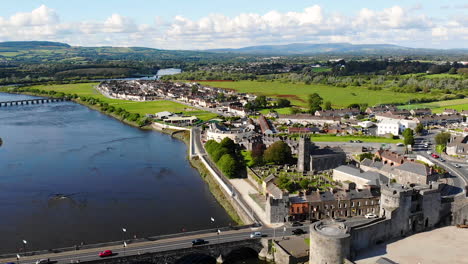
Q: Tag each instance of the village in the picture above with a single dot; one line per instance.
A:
(313, 180)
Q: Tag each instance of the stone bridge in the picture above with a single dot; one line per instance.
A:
(204, 254)
(32, 101)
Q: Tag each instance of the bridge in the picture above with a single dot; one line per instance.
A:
(226, 246)
(32, 101)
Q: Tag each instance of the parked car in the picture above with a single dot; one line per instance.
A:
(400, 145)
(429, 152)
(256, 235)
(435, 156)
(296, 224)
(370, 216)
(42, 261)
(105, 253)
(298, 231)
(199, 241)
(441, 159)
(456, 165)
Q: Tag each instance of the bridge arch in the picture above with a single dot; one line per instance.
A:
(240, 254)
(196, 258)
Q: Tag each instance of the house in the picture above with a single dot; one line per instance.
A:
(439, 119)
(308, 119)
(390, 157)
(181, 119)
(366, 124)
(339, 112)
(388, 126)
(163, 115)
(421, 112)
(218, 132)
(458, 145)
(412, 172)
(362, 179)
(448, 111)
(265, 126)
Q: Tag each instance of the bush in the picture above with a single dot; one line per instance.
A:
(278, 153)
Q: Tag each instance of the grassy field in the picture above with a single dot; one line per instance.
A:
(297, 93)
(438, 107)
(87, 89)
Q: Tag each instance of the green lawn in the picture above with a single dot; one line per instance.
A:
(332, 138)
(150, 107)
(297, 93)
(281, 111)
(438, 107)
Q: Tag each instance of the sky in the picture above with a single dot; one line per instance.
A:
(206, 24)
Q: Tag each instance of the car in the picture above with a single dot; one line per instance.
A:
(256, 235)
(400, 145)
(296, 224)
(441, 159)
(456, 165)
(358, 141)
(42, 261)
(199, 241)
(429, 152)
(298, 231)
(105, 253)
(435, 156)
(370, 216)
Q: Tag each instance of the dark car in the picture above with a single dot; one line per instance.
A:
(296, 224)
(298, 231)
(199, 241)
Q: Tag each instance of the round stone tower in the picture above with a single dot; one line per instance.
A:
(330, 242)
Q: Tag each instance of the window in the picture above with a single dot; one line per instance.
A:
(345, 205)
(326, 207)
(358, 203)
(372, 202)
(365, 202)
(352, 204)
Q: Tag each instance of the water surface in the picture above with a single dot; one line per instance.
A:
(114, 175)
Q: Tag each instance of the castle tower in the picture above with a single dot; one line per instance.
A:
(329, 243)
(303, 154)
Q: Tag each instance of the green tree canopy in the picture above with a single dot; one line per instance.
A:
(283, 102)
(419, 128)
(442, 138)
(408, 137)
(314, 101)
(228, 165)
(327, 106)
(278, 153)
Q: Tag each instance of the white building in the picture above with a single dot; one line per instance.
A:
(388, 126)
(217, 132)
(362, 179)
(365, 124)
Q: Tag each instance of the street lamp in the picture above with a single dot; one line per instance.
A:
(124, 230)
(24, 245)
(217, 228)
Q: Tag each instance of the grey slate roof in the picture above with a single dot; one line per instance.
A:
(374, 177)
(414, 167)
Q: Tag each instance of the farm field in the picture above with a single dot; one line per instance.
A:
(297, 93)
(87, 89)
(438, 107)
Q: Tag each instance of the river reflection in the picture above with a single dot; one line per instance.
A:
(70, 175)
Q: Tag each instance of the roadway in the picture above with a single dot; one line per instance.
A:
(458, 177)
(154, 246)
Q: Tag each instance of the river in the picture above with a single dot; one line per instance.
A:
(114, 176)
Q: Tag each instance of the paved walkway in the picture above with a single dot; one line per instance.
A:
(245, 189)
(442, 245)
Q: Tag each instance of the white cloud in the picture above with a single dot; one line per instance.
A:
(395, 24)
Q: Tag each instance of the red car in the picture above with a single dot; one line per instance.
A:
(435, 156)
(105, 253)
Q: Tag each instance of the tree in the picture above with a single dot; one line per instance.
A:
(452, 71)
(228, 144)
(304, 183)
(314, 101)
(278, 153)
(354, 106)
(284, 183)
(442, 138)
(261, 101)
(217, 153)
(408, 137)
(327, 106)
(228, 165)
(419, 128)
(283, 103)
(257, 154)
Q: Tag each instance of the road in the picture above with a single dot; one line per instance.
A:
(154, 246)
(458, 178)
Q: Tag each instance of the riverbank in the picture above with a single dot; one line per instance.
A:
(184, 136)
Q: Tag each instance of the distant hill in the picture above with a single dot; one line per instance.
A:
(33, 44)
(336, 49)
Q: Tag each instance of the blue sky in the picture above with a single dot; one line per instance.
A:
(184, 24)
